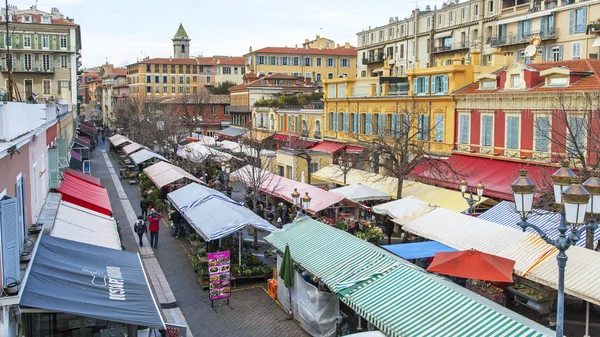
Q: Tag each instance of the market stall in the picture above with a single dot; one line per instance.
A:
(359, 192)
(198, 152)
(146, 157)
(85, 194)
(86, 288)
(133, 147)
(163, 174)
(118, 140)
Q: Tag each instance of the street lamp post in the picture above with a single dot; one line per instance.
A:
(302, 203)
(225, 169)
(470, 200)
(575, 202)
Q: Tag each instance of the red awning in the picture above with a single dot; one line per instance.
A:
(86, 140)
(300, 144)
(284, 138)
(354, 149)
(496, 175)
(192, 140)
(329, 147)
(84, 194)
(88, 128)
(82, 176)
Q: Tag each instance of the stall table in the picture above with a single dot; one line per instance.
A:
(497, 295)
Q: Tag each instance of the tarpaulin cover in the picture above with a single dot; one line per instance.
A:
(133, 147)
(418, 250)
(283, 188)
(85, 140)
(400, 208)
(213, 214)
(90, 281)
(231, 132)
(82, 176)
(315, 310)
(163, 173)
(85, 194)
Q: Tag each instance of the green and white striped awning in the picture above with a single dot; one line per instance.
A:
(352, 262)
(398, 298)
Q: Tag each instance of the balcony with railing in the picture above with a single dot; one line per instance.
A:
(512, 39)
(399, 89)
(451, 47)
(315, 105)
(375, 59)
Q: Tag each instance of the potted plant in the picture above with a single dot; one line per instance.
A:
(193, 237)
(25, 257)
(12, 288)
(201, 252)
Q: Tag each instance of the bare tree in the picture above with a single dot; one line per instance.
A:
(137, 119)
(400, 144)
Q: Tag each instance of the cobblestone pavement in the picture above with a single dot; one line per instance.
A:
(254, 313)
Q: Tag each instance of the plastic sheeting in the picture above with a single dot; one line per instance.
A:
(315, 310)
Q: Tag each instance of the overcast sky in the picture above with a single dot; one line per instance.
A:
(123, 31)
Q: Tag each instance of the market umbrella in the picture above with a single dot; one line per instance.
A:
(473, 264)
(286, 272)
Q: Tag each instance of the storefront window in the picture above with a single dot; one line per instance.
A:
(67, 325)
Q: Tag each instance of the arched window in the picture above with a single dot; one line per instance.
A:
(318, 129)
(318, 77)
(183, 48)
(304, 128)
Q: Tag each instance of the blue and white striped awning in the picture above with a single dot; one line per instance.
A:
(397, 297)
(505, 214)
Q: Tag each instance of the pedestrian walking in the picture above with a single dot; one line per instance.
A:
(140, 228)
(229, 190)
(144, 205)
(176, 220)
(154, 220)
(217, 185)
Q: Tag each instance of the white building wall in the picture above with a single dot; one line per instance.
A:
(37, 178)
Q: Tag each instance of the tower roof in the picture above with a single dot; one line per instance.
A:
(181, 31)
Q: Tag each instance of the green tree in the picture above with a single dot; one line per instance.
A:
(222, 88)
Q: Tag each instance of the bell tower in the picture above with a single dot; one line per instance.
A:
(181, 44)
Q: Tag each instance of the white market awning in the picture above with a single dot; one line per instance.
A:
(144, 155)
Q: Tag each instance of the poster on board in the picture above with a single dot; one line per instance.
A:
(219, 275)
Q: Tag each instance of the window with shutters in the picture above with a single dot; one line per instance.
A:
(576, 134)
(28, 61)
(63, 42)
(45, 42)
(273, 60)
(487, 130)
(440, 85)
(381, 124)
(368, 124)
(9, 227)
(576, 50)
(439, 128)
(27, 41)
(512, 132)
(342, 87)
(332, 91)
(542, 134)
(463, 128)
(46, 62)
(421, 87)
(64, 61)
(46, 87)
(423, 127)
(577, 20)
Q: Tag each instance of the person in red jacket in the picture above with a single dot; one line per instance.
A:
(154, 219)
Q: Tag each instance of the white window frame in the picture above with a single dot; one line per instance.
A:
(31, 58)
(576, 45)
(45, 42)
(518, 148)
(26, 38)
(49, 87)
(64, 58)
(481, 132)
(61, 42)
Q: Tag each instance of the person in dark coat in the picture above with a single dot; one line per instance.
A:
(140, 228)
(176, 218)
(144, 205)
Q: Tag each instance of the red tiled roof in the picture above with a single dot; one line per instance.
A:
(590, 82)
(63, 22)
(211, 99)
(236, 60)
(120, 71)
(261, 82)
(339, 51)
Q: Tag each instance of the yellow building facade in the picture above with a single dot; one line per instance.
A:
(315, 63)
(358, 109)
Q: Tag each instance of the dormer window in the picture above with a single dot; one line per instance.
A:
(556, 77)
(46, 19)
(26, 18)
(486, 81)
(515, 81)
(557, 81)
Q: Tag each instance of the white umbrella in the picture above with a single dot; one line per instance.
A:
(359, 192)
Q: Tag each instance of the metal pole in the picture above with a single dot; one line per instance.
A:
(587, 319)
(562, 246)
(240, 249)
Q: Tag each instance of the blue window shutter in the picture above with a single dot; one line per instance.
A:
(543, 26)
(10, 240)
(560, 53)
(519, 29)
(439, 128)
(542, 130)
(415, 85)
(433, 82)
(426, 85)
(53, 175)
(571, 21)
(392, 125)
(383, 124)
(425, 127)
(582, 20)
(445, 84)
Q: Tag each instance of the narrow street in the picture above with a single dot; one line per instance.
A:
(252, 312)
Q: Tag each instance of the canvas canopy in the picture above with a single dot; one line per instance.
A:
(82, 176)
(80, 224)
(418, 250)
(198, 152)
(90, 281)
(231, 132)
(213, 214)
(128, 149)
(85, 194)
(145, 155)
(163, 173)
(360, 192)
(120, 140)
(400, 208)
(282, 187)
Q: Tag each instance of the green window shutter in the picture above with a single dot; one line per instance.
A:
(21, 61)
(433, 82)
(69, 42)
(295, 123)
(426, 85)
(51, 61)
(19, 42)
(445, 79)
(61, 144)
(39, 41)
(53, 176)
(9, 222)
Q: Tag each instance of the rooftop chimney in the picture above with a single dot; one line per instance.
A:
(347, 45)
(250, 49)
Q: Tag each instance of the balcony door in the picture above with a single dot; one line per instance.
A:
(28, 88)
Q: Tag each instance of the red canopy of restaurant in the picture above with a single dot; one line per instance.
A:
(85, 194)
(85, 140)
(354, 149)
(329, 147)
(284, 138)
(82, 176)
(495, 174)
(473, 264)
(87, 127)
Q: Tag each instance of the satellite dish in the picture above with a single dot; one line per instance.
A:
(530, 51)
(536, 41)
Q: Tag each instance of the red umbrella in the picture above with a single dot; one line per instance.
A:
(473, 264)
